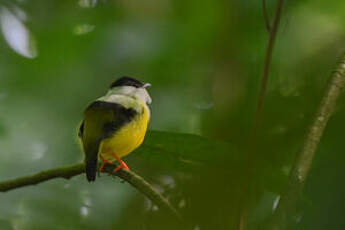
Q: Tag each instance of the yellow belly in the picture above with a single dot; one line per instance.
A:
(126, 139)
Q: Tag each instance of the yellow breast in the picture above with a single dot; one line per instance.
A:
(127, 138)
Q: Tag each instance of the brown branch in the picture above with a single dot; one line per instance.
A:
(301, 166)
(257, 119)
(266, 19)
(267, 62)
(67, 172)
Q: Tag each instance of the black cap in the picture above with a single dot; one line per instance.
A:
(127, 81)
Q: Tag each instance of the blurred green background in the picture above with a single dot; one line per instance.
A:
(204, 61)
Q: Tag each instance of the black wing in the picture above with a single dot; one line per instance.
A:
(102, 119)
(81, 130)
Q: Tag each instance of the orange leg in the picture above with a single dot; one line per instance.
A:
(122, 163)
(104, 162)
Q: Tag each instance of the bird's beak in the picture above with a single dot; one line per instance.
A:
(146, 85)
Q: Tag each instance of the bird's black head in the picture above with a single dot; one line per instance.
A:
(127, 81)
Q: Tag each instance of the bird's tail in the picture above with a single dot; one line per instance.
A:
(91, 168)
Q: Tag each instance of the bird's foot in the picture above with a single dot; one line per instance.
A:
(121, 166)
(104, 163)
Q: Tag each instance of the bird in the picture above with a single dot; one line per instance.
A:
(114, 125)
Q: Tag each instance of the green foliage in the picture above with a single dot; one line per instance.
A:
(204, 60)
(187, 151)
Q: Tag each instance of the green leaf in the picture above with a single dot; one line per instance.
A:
(6, 224)
(187, 151)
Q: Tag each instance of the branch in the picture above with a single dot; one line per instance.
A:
(257, 119)
(301, 166)
(264, 12)
(67, 172)
(267, 62)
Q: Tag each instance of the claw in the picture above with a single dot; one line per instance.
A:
(122, 164)
(104, 163)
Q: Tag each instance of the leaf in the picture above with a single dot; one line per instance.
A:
(16, 34)
(6, 224)
(187, 151)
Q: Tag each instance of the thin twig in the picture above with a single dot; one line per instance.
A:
(266, 19)
(301, 166)
(67, 172)
(257, 120)
(267, 62)
(64, 172)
